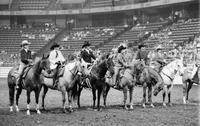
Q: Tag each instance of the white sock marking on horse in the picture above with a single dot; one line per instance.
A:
(38, 109)
(28, 109)
(184, 100)
(11, 108)
(17, 108)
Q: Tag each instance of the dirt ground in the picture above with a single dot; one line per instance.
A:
(113, 115)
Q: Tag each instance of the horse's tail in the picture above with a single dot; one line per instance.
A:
(11, 85)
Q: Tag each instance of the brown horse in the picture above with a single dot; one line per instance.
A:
(67, 83)
(149, 78)
(188, 82)
(31, 82)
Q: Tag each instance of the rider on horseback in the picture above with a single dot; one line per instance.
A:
(120, 63)
(159, 58)
(26, 59)
(87, 57)
(142, 54)
(56, 59)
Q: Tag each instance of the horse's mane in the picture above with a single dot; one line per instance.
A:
(99, 69)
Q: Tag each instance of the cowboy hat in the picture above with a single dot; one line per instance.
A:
(54, 46)
(159, 47)
(121, 48)
(86, 43)
(141, 45)
(25, 42)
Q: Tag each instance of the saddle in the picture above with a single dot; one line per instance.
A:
(25, 71)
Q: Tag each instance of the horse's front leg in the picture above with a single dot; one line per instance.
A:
(105, 93)
(150, 96)
(188, 90)
(125, 89)
(69, 93)
(164, 94)
(99, 97)
(131, 97)
(169, 94)
(43, 96)
(144, 95)
(79, 95)
(63, 90)
(19, 91)
(184, 91)
(28, 93)
(37, 94)
(11, 97)
(94, 96)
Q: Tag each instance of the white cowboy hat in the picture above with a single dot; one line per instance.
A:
(25, 42)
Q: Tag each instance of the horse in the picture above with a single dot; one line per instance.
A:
(96, 80)
(188, 81)
(67, 83)
(149, 78)
(30, 82)
(168, 74)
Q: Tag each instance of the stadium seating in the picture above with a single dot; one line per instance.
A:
(101, 3)
(10, 40)
(96, 36)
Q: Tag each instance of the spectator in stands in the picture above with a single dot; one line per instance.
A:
(26, 59)
(56, 59)
(142, 54)
(87, 57)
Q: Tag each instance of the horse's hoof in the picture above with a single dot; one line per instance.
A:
(125, 107)
(143, 105)
(131, 107)
(71, 110)
(95, 110)
(38, 112)
(28, 112)
(164, 105)
(152, 105)
(43, 109)
(17, 109)
(64, 111)
(11, 109)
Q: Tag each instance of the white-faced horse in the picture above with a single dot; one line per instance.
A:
(168, 74)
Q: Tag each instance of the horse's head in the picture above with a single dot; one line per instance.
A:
(179, 67)
(110, 65)
(139, 67)
(158, 88)
(45, 63)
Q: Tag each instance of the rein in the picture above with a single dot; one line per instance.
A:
(168, 76)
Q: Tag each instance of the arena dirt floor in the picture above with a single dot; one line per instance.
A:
(113, 115)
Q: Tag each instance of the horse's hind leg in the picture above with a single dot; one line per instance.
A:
(37, 94)
(43, 96)
(28, 93)
(19, 91)
(11, 97)
(150, 96)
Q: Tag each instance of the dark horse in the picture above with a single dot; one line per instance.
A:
(96, 80)
(31, 82)
(188, 82)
